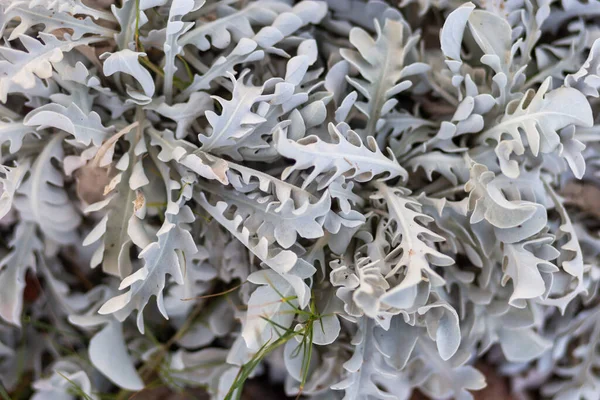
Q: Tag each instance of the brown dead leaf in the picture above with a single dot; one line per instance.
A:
(584, 195)
(111, 185)
(139, 201)
(91, 182)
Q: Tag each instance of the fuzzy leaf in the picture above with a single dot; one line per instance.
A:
(175, 28)
(417, 256)
(347, 156)
(85, 128)
(13, 176)
(127, 61)
(524, 267)
(13, 268)
(234, 21)
(538, 115)
(72, 7)
(165, 256)
(41, 198)
(123, 208)
(237, 119)
(381, 63)
(20, 70)
(53, 17)
(184, 114)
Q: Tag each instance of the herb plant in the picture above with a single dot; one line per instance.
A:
(356, 199)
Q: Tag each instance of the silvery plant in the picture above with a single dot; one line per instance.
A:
(350, 199)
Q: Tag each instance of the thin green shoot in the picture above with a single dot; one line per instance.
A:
(188, 70)
(304, 348)
(76, 389)
(207, 296)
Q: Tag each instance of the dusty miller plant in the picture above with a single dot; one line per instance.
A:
(359, 199)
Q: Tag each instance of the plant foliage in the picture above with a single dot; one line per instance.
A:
(370, 198)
